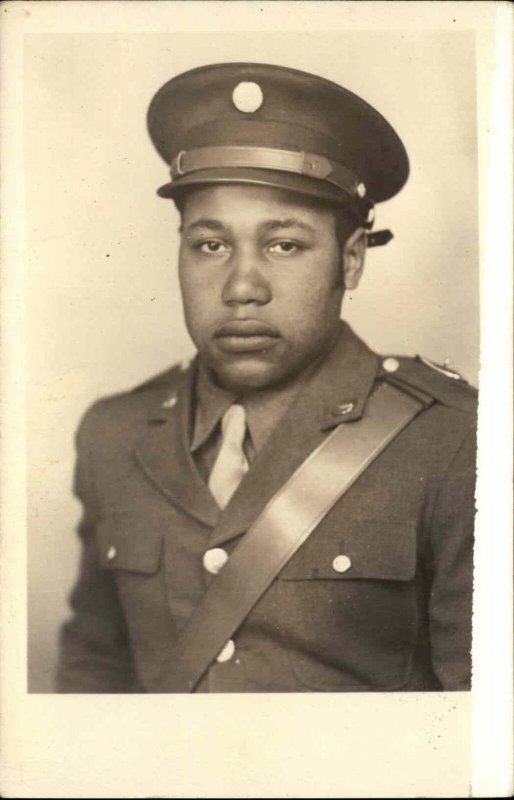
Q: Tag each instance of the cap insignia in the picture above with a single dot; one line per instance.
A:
(247, 97)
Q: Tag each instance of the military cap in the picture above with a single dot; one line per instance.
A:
(274, 126)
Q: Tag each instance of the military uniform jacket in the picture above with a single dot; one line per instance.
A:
(398, 619)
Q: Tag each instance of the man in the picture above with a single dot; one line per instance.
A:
(290, 512)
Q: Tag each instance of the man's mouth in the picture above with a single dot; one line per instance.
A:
(245, 336)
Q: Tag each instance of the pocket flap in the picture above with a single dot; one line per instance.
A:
(130, 544)
(367, 550)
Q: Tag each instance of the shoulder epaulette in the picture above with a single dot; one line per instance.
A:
(419, 375)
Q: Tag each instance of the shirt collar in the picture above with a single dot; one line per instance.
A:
(211, 403)
(263, 409)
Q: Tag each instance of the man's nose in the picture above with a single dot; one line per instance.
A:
(246, 283)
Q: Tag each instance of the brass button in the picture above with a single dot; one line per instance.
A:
(111, 553)
(214, 560)
(247, 97)
(341, 563)
(391, 364)
(227, 652)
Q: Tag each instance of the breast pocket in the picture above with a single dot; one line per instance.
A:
(350, 610)
(131, 548)
(131, 544)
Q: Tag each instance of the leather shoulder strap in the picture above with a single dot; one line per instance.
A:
(284, 525)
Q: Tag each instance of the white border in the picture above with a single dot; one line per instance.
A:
(493, 618)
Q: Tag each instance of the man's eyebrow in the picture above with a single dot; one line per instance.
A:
(290, 222)
(273, 224)
(209, 224)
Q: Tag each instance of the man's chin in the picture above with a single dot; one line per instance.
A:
(246, 375)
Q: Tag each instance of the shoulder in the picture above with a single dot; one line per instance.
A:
(125, 409)
(163, 382)
(444, 434)
(433, 382)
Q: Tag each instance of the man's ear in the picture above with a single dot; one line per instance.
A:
(353, 256)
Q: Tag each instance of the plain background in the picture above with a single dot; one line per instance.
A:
(104, 311)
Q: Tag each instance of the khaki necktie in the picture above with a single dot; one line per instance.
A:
(231, 463)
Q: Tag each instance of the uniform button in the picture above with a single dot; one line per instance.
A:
(214, 560)
(111, 553)
(391, 364)
(341, 563)
(227, 652)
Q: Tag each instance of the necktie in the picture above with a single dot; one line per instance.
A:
(231, 463)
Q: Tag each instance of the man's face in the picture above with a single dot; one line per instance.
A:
(260, 273)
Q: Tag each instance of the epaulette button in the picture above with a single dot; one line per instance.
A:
(391, 364)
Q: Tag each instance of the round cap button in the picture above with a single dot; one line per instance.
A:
(214, 560)
(341, 563)
(111, 553)
(391, 364)
(227, 652)
(247, 97)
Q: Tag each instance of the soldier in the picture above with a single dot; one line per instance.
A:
(290, 512)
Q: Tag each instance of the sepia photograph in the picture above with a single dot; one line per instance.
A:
(254, 359)
(287, 505)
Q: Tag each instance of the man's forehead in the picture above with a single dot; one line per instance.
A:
(214, 205)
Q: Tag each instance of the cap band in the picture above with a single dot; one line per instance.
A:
(313, 166)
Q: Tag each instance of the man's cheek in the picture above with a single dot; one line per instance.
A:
(309, 307)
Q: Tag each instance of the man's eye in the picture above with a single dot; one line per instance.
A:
(212, 247)
(285, 248)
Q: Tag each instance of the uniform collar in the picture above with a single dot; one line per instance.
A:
(344, 380)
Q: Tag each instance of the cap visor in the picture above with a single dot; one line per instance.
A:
(289, 181)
